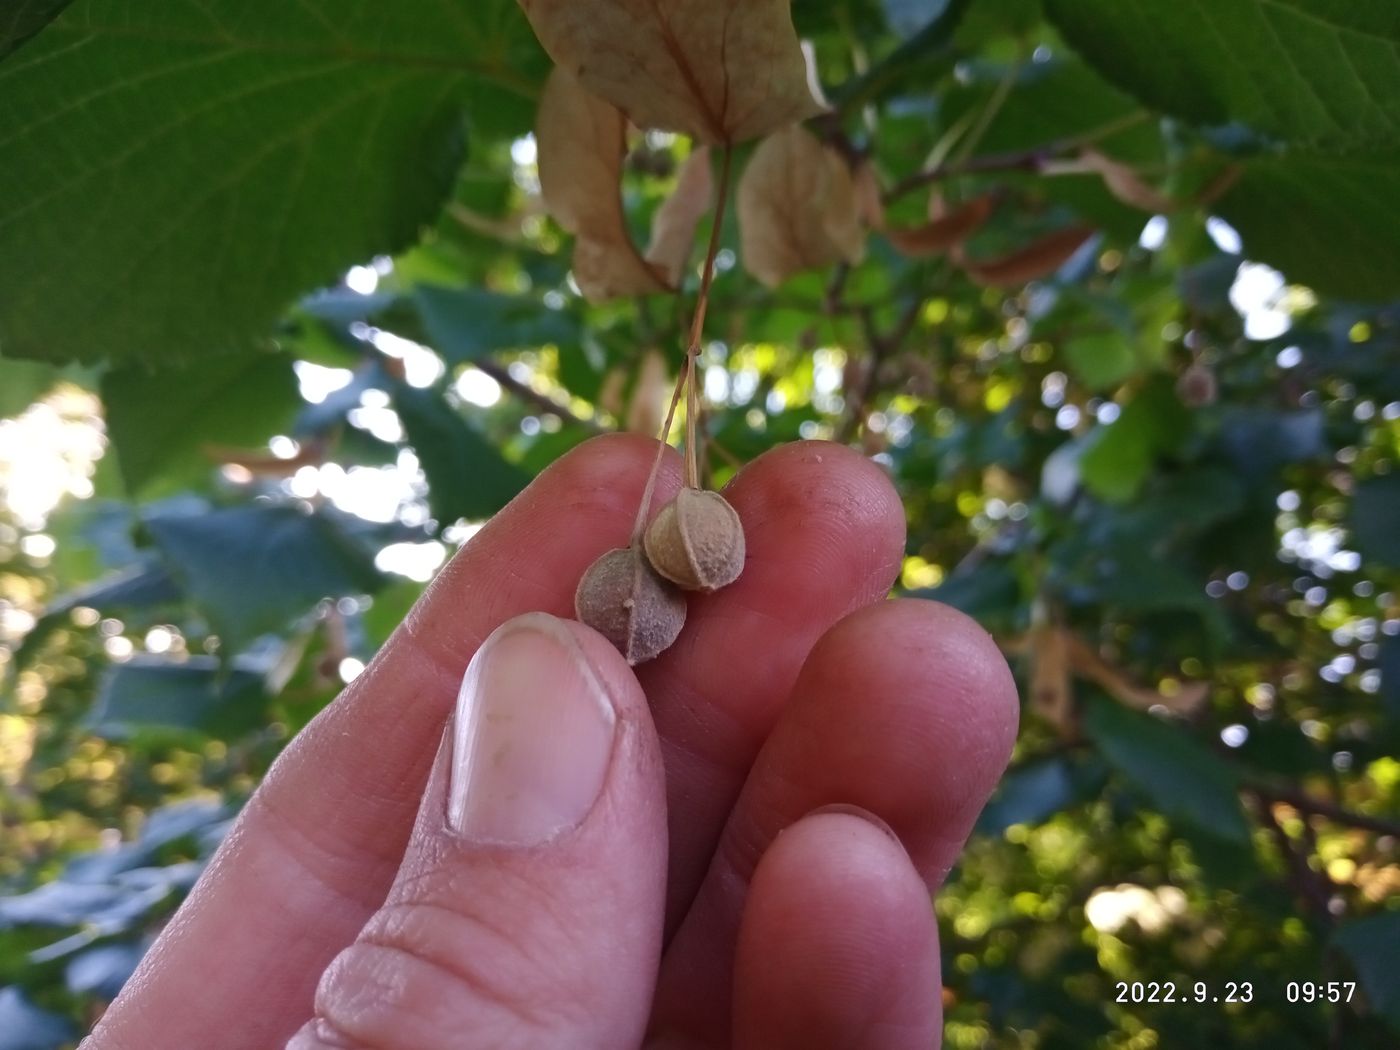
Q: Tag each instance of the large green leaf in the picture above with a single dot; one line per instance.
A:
(159, 694)
(162, 420)
(1120, 455)
(1370, 945)
(466, 323)
(1315, 71)
(1034, 793)
(1328, 221)
(21, 19)
(252, 569)
(22, 383)
(1178, 775)
(176, 173)
(1375, 520)
(467, 476)
(1062, 99)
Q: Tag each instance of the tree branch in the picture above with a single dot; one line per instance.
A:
(530, 395)
(1305, 803)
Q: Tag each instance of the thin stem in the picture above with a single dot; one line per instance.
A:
(989, 112)
(1305, 803)
(686, 379)
(693, 429)
(528, 394)
(1018, 160)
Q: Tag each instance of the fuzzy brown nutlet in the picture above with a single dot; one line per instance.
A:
(621, 598)
(697, 541)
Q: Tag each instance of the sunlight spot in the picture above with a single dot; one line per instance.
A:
(476, 387)
(1224, 235)
(417, 561)
(318, 382)
(523, 151)
(362, 279)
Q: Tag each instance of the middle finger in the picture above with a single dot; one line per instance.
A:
(824, 531)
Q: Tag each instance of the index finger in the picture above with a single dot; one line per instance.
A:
(315, 850)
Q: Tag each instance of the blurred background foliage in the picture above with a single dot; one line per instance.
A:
(1162, 472)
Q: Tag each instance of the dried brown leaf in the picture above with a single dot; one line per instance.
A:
(581, 142)
(721, 71)
(841, 213)
(797, 208)
(1126, 184)
(1037, 259)
(944, 231)
(1087, 663)
(650, 394)
(610, 392)
(674, 224)
(1052, 692)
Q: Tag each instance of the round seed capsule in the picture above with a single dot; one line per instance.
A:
(697, 541)
(622, 599)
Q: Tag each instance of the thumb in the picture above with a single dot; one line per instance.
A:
(528, 908)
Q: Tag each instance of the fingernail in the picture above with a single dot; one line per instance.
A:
(856, 811)
(532, 739)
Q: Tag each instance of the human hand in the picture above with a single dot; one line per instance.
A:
(629, 857)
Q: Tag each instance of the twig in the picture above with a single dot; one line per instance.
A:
(1305, 803)
(881, 347)
(543, 402)
(1030, 160)
(697, 324)
(1309, 885)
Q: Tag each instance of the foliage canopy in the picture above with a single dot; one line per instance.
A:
(1110, 287)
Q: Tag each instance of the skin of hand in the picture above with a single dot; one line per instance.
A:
(499, 835)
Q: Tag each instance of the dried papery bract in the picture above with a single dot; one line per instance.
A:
(798, 208)
(697, 541)
(945, 230)
(1121, 180)
(721, 71)
(625, 601)
(674, 225)
(1040, 258)
(581, 141)
(650, 389)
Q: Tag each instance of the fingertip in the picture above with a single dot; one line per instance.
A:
(838, 946)
(803, 479)
(926, 643)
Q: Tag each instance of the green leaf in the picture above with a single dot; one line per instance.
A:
(1120, 455)
(1375, 520)
(389, 608)
(467, 476)
(1326, 221)
(1034, 793)
(466, 323)
(1261, 440)
(1181, 778)
(160, 694)
(1063, 99)
(176, 174)
(161, 420)
(24, 18)
(1370, 945)
(926, 54)
(1100, 360)
(1313, 71)
(22, 383)
(251, 570)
